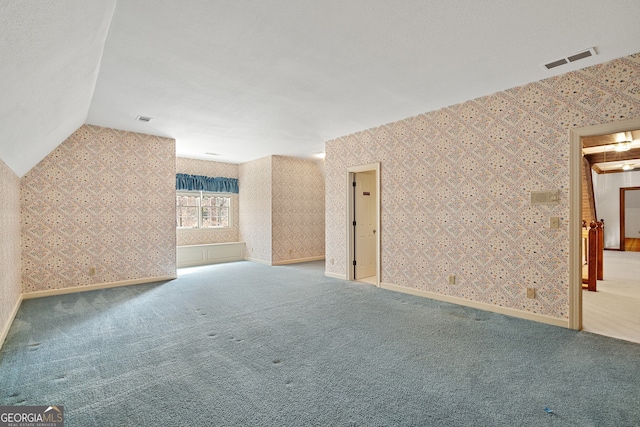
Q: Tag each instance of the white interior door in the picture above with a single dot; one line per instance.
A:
(365, 228)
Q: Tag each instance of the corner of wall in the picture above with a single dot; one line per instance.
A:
(255, 181)
(100, 208)
(298, 217)
(10, 254)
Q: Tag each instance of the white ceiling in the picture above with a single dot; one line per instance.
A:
(247, 79)
(50, 54)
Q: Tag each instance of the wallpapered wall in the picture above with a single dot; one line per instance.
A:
(297, 209)
(10, 272)
(103, 198)
(202, 236)
(254, 181)
(281, 209)
(455, 188)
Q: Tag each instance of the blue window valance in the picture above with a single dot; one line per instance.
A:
(206, 183)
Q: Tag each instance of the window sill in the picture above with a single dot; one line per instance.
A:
(189, 229)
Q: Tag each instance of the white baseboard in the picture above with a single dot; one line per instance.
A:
(335, 276)
(63, 291)
(480, 305)
(5, 328)
(298, 260)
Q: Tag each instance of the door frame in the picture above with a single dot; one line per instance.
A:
(351, 171)
(575, 209)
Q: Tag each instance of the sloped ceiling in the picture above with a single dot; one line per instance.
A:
(248, 79)
(50, 53)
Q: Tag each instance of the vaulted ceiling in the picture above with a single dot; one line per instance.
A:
(247, 79)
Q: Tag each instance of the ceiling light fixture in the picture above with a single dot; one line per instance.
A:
(624, 145)
(628, 167)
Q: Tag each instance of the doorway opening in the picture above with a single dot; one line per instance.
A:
(363, 223)
(601, 307)
(630, 219)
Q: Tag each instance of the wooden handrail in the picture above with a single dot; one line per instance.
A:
(592, 263)
(600, 255)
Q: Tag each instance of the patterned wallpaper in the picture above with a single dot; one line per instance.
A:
(10, 287)
(103, 198)
(297, 209)
(456, 182)
(206, 167)
(255, 208)
(202, 236)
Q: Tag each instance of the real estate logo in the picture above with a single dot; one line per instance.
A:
(31, 416)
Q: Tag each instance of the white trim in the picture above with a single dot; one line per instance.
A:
(575, 209)
(63, 291)
(575, 226)
(211, 244)
(351, 170)
(7, 326)
(192, 229)
(480, 305)
(335, 276)
(209, 253)
(298, 260)
(201, 194)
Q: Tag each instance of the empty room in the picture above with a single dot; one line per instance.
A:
(296, 213)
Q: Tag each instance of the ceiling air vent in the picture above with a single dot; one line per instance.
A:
(555, 64)
(145, 119)
(573, 58)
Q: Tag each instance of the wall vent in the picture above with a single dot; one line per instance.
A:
(573, 58)
(145, 119)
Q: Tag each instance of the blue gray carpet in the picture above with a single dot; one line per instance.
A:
(243, 344)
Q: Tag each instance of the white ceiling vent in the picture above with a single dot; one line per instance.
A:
(573, 58)
(145, 119)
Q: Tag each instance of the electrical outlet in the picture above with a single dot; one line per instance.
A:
(554, 222)
(531, 293)
(92, 271)
(452, 279)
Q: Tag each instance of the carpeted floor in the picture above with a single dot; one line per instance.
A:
(243, 344)
(614, 310)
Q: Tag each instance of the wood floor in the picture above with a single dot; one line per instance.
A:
(632, 245)
(614, 310)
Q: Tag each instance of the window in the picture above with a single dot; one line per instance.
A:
(195, 209)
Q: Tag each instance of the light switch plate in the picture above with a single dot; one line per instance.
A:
(545, 197)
